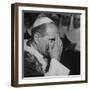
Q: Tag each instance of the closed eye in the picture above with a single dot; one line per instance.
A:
(53, 39)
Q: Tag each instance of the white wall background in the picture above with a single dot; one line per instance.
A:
(5, 45)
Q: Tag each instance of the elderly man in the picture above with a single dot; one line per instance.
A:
(43, 51)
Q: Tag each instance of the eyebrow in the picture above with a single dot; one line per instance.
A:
(53, 39)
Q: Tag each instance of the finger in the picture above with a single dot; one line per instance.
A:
(50, 46)
(61, 45)
(56, 40)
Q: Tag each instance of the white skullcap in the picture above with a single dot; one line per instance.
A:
(41, 20)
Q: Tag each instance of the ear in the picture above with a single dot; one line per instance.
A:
(36, 37)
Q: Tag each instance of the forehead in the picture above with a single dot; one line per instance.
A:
(51, 29)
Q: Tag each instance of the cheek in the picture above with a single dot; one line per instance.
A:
(45, 42)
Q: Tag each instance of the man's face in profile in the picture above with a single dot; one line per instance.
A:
(48, 39)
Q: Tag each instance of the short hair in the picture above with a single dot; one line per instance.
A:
(41, 29)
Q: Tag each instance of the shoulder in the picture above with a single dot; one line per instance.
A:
(32, 67)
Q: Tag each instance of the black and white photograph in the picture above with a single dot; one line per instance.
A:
(51, 44)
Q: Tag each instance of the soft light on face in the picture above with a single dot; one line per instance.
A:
(51, 33)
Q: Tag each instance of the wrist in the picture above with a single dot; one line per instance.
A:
(56, 58)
